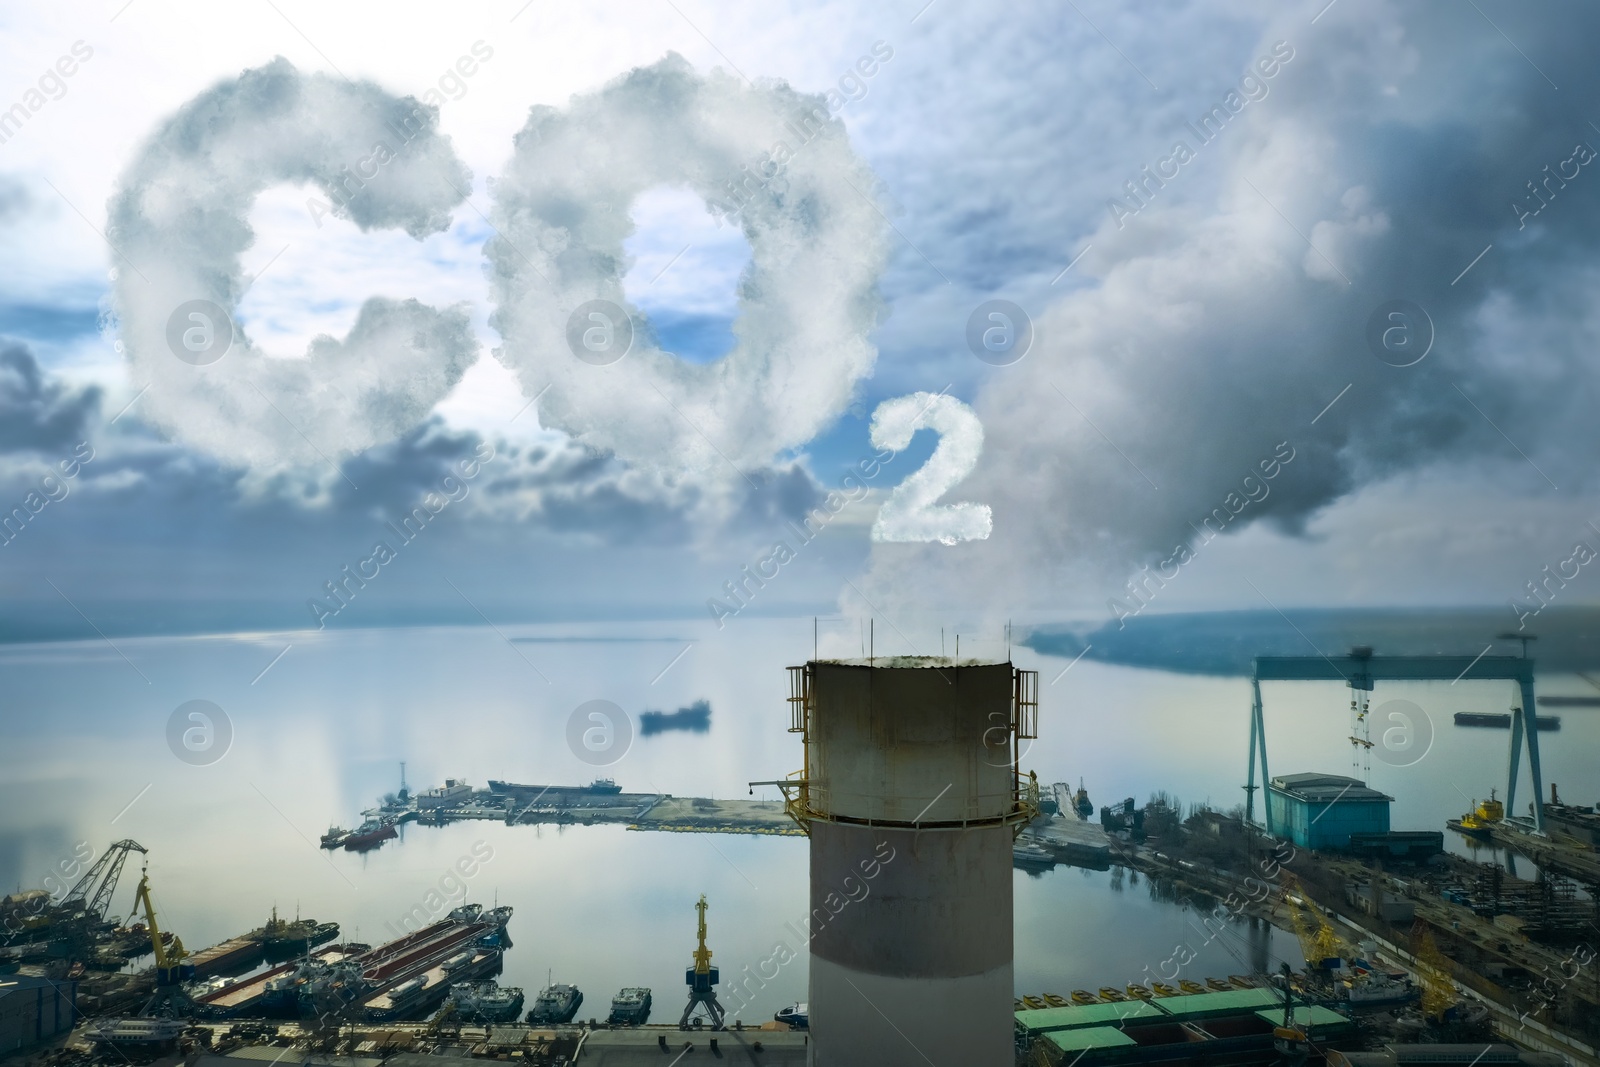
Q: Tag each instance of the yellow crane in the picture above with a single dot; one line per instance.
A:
(702, 979)
(171, 971)
(1318, 940)
(1438, 991)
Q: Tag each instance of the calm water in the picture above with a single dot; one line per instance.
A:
(320, 735)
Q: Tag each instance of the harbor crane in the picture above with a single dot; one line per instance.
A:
(1360, 669)
(702, 979)
(171, 971)
(91, 895)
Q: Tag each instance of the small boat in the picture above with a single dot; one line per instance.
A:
(556, 1003)
(630, 1007)
(1189, 986)
(1083, 996)
(1163, 989)
(1031, 856)
(1218, 985)
(1241, 982)
(1112, 995)
(797, 1016)
(1033, 1003)
(1139, 991)
(1055, 1000)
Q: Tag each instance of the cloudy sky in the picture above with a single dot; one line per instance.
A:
(1317, 273)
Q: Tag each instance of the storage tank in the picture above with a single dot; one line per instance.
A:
(911, 798)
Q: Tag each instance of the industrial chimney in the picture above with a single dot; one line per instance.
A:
(911, 797)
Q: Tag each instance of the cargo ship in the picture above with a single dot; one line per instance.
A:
(356, 979)
(557, 1003)
(1503, 721)
(598, 787)
(273, 993)
(371, 834)
(230, 957)
(630, 1007)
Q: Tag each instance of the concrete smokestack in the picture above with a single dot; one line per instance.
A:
(911, 798)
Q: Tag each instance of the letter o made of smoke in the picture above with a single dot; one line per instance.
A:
(180, 220)
(807, 301)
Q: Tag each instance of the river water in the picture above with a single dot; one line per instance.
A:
(319, 732)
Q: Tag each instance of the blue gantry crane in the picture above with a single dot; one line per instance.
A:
(1360, 669)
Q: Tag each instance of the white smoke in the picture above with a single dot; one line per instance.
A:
(766, 158)
(180, 223)
(910, 513)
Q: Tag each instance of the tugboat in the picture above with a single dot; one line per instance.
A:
(556, 1003)
(283, 940)
(797, 1016)
(336, 836)
(630, 1007)
(1478, 821)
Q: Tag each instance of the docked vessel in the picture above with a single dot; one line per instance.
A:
(135, 1032)
(1473, 718)
(283, 940)
(336, 836)
(1081, 802)
(630, 1007)
(1478, 821)
(556, 1003)
(795, 1015)
(1377, 989)
(371, 834)
(485, 1002)
(1031, 856)
(598, 787)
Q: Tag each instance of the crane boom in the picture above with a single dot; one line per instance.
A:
(169, 961)
(92, 893)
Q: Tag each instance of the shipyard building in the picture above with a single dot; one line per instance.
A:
(1321, 811)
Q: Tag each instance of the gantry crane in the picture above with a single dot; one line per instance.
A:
(1359, 669)
(701, 980)
(91, 895)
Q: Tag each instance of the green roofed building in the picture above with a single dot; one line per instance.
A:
(1212, 1028)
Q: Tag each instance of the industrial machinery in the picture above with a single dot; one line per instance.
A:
(91, 895)
(1360, 669)
(171, 970)
(1322, 945)
(702, 979)
(1438, 991)
(1290, 1040)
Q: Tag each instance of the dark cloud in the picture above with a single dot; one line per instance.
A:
(35, 414)
(1387, 157)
